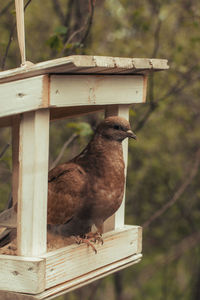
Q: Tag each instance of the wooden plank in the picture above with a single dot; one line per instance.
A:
(19, 7)
(60, 113)
(84, 64)
(117, 220)
(22, 274)
(79, 282)
(88, 278)
(142, 64)
(33, 181)
(23, 95)
(95, 90)
(159, 64)
(77, 260)
(64, 112)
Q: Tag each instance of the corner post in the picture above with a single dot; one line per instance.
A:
(33, 138)
(117, 220)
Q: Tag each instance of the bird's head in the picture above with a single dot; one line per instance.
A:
(115, 128)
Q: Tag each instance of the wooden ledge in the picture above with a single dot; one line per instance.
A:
(71, 267)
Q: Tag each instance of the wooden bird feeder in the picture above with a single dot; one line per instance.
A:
(30, 97)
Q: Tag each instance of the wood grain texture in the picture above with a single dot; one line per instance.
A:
(22, 95)
(19, 6)
(86, 65)
(79, 282)
(77, 260)
(95, 90)
(26, 275)
(68, 268)
(88, 278)
(33, 180)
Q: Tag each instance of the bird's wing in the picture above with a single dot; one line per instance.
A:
(66, 190)
(6, 236)
(8, 218)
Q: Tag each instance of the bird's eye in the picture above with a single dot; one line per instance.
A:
(117, 127)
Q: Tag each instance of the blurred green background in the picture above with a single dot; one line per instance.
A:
(163, 191)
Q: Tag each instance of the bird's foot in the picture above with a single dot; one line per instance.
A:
(95, 237)
(80, 240)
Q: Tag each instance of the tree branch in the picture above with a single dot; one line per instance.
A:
(4, 10)
(175, 252)
(27, 4)
(90, 20)
(93, 289)
(188, 179)
(4, 150)
(8, 47)
(174, 90)
(118, 286)
(156, 39)
(69, 13)
(86, 29)
(58, 10)
(66, 144)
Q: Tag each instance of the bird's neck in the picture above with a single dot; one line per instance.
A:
(103, 145)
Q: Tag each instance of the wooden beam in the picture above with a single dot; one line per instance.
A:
(88, 278)
(73, 111)
(117, 220)
(23, 95)
(22, 274)
(96, 90)
(79, 282)
(33, 183)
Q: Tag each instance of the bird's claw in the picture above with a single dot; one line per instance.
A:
(79, 240)
(98, 238)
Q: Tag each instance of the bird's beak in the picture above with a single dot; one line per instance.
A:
(131, 134)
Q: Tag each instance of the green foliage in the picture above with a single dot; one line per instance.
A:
(55, 41)
(81, 128)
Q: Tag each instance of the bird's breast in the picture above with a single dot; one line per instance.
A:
(108, 187)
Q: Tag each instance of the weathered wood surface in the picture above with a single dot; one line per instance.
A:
(19, 6)
(86, 65)
(22, 274)
(70, 267)
(74, 284)
(74, 261)
(23, 95)
(68, 95)
(79, 90)
(33, 180)
(88, 278)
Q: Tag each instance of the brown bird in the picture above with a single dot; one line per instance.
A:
(89, 189)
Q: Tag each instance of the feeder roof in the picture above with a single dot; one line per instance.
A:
(83, 64)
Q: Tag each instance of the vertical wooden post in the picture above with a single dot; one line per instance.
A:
(117, 220)
(15, 158)
(19, 6)
(33, 137)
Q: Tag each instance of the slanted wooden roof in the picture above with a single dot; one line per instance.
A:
(83, 64)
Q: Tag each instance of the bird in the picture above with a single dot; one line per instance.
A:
(88, 189)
